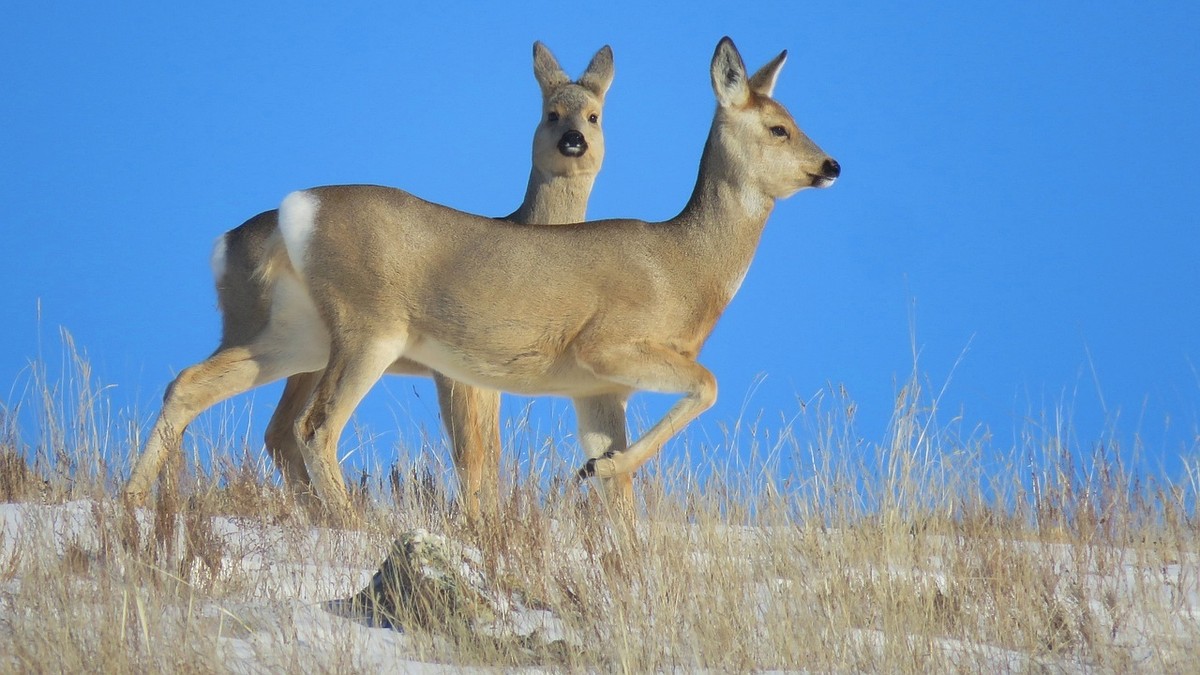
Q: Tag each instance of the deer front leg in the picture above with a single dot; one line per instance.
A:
(472, 419)
(602, 433)
(649, 367)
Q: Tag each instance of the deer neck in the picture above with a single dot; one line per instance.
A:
(724, 219)
(554, 199)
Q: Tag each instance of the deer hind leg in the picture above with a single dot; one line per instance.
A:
(228, 372)
(349, 375)
(602, 432)
(649, 367)
(280, 438)
(472, 419)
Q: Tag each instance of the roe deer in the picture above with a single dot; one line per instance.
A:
(568, 150)
(593, 311)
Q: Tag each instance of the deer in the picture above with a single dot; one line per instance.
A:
(593, 311)
(568, 151)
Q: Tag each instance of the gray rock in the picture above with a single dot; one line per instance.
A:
(439, 585)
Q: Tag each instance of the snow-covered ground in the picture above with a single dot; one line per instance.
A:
(279, 622)
(271, 602)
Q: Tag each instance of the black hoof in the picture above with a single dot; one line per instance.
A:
(587, 471)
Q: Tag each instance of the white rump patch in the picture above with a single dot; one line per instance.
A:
(297, 219)
(218, 258)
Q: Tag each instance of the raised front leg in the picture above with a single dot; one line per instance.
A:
(472, 419)
(649, 367)
(602, 433)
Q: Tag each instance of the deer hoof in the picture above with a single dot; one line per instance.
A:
(603, 466)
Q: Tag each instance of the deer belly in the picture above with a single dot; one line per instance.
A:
(527, 370)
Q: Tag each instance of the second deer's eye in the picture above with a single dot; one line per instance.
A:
(552, 117)
(780, 131)
(593, 118)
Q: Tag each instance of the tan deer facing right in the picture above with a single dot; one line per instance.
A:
(594, 311)
(568, 150)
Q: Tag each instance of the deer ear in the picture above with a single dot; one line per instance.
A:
(599, 74)
(549, 74)
(763, 82)
(729, 75)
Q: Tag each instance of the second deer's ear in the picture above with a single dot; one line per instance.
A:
(549, 74)
(729, 75)
(599, 74)
(763, 82)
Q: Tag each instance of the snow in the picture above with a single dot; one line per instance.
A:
(291, 616)
(281, 601)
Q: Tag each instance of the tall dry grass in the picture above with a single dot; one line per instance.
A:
(927, 549)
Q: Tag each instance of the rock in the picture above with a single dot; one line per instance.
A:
(426, 580)
(440, 585)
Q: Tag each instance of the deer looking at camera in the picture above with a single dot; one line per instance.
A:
(256, 293)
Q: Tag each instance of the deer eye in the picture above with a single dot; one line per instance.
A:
(552, 117)
(593, 118)
(780, 132)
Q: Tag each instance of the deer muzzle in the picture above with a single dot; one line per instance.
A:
(830, 170)
(572, 144)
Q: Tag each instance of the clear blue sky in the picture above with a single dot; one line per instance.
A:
(1019, 185)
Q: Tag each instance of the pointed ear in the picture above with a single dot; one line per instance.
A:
(763, 82)
(729, 75)
(599, 74)
(549, 74)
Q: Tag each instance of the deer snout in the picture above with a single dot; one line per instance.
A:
(830, 170)
(572, 144)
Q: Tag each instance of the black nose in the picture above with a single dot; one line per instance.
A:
(831, 169)
(572, 144)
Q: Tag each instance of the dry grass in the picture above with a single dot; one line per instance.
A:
(919, 552)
